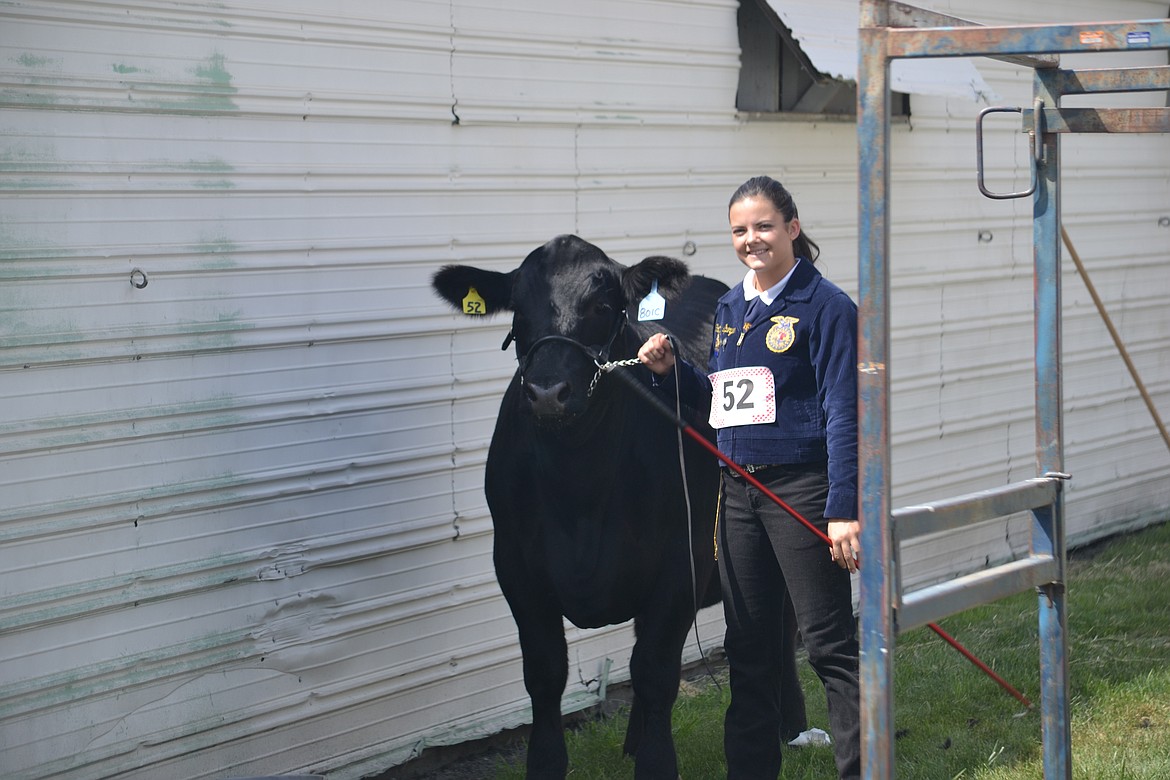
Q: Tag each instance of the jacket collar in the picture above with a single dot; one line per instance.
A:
(800, 288)
(803, 283)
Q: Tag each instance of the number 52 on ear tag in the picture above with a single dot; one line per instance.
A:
(653, 306)
(473, 303)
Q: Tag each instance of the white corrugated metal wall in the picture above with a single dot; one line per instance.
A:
(244, 530)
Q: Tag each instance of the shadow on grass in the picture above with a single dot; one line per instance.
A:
(956, 722)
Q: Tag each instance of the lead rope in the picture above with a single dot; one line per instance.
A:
(605, 368)
(682, 470)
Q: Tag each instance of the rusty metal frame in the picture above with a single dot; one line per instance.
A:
(891, 30)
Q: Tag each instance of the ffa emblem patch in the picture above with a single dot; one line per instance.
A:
(781, 335)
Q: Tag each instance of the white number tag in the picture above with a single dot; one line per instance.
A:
(653, 306)
(742, 396)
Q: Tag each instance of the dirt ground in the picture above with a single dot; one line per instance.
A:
(478, 760)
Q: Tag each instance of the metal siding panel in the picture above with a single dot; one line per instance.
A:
(606, 62)
(162, 57)
(206, 504)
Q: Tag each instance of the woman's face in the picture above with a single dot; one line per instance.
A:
(763, 239)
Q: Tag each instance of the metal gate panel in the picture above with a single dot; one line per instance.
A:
(892, 31)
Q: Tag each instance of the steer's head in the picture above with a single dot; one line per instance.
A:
(568, 302)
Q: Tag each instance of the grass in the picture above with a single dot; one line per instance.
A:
(954, 722)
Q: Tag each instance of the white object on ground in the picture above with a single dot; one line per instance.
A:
(811, 738)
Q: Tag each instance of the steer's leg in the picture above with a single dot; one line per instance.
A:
(546, 664)
(546, 669)
(655, 666)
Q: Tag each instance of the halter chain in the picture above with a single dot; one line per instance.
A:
(605, 368)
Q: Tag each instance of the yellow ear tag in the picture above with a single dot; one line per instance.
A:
(473, 304)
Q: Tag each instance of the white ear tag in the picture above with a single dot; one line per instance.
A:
(653, 306)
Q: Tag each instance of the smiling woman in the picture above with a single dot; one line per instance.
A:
(785, 405)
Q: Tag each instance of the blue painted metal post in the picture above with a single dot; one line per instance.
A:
(877, 576)
(1048, 524)
(1034, 46)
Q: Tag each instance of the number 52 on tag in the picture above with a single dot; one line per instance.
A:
(743, 396)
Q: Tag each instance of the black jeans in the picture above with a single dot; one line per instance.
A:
(764, 553)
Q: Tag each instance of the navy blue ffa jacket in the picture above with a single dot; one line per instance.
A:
(808, 339)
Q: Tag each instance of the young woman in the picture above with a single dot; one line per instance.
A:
(783, 380)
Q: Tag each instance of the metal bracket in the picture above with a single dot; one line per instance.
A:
(1033, 137)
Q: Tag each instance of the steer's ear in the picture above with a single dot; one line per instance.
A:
(474, 290)
(672, 277)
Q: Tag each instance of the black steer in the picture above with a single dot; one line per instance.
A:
(583, 480)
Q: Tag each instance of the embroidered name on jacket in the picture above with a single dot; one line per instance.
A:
(722, 333)
(782, 334)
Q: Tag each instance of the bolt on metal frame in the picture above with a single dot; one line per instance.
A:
(891, 30)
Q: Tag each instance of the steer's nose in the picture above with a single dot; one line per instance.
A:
(547, 401)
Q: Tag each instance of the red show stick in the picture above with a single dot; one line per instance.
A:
(656, 402)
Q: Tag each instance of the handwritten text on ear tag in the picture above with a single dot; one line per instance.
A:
(653, 306)
(473, 303)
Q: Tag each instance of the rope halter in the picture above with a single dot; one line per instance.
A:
(600, 357)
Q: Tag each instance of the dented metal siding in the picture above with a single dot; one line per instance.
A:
(226, 432)
(242, 444)
(227, 439)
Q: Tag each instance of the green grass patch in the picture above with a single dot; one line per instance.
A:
(952, 721)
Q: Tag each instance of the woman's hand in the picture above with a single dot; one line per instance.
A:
(846, 538)
(656, 354)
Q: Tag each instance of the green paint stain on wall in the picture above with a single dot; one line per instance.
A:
(216, 253)
(210, 92)
(206, 88)
(30, 60)
(217, 82)
(214, 71)
(210, 165)
(27, 167)
(32, 183)
(24, 97)
(21, 243)
(33, 154)
(213, 165)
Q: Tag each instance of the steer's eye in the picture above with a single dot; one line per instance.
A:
(601, 308)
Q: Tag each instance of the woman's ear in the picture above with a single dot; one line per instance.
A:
(793, 228)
